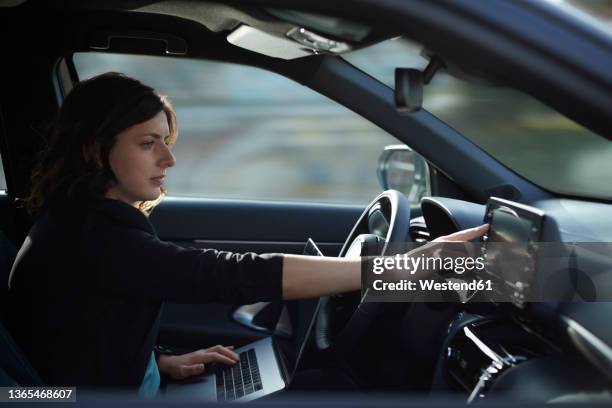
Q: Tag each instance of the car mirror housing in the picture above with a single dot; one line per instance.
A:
(408, 90)
(409, 83)
(401, 168)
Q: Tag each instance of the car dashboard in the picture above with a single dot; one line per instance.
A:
(548, 350)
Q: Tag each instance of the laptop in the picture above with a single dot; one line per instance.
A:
(266, 366)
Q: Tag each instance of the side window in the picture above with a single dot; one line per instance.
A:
(251, 134)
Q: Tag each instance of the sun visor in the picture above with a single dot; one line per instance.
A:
(261, 42)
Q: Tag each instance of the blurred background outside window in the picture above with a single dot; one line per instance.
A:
(250, 134)
(598, 10)
(529, 137)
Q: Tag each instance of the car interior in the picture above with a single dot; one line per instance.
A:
(466, 350)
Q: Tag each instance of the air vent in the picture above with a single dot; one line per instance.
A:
(418, 230)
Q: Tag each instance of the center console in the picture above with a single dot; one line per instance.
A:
(479, 349)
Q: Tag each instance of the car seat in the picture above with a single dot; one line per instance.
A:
(14, 367)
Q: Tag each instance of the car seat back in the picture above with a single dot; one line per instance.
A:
(8, 252)
(14, 367)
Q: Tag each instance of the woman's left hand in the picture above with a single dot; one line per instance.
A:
(194, 363)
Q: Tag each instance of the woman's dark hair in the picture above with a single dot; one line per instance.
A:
(74, 165)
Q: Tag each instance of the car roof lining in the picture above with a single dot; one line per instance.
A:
(203, 25)
(215, 17)
(219, 17)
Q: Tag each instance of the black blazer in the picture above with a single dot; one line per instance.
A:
(88, 286)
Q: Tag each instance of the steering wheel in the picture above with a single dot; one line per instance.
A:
(384, 221)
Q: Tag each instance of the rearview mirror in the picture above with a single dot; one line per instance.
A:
(400, 168)
(408, 90)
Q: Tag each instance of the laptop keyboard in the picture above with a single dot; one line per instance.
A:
(240, 379)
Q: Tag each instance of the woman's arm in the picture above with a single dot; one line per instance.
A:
(314, 276)
(303, 277)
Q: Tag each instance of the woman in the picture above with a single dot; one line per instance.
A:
(91, 277)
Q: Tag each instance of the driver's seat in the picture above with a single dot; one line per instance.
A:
(15, 370)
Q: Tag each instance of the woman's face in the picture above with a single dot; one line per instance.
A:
(139, 159)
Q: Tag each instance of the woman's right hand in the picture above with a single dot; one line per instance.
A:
(452, 245)
(465, 235)
(194, 363)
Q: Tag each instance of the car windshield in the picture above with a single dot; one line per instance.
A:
(524, 134)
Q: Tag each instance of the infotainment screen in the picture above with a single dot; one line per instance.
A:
(510, 248)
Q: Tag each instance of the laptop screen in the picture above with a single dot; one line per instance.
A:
(302, 314)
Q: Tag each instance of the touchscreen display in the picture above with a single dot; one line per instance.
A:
(507, 226)
(510, 246)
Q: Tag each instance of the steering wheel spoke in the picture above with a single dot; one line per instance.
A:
(383, 224)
